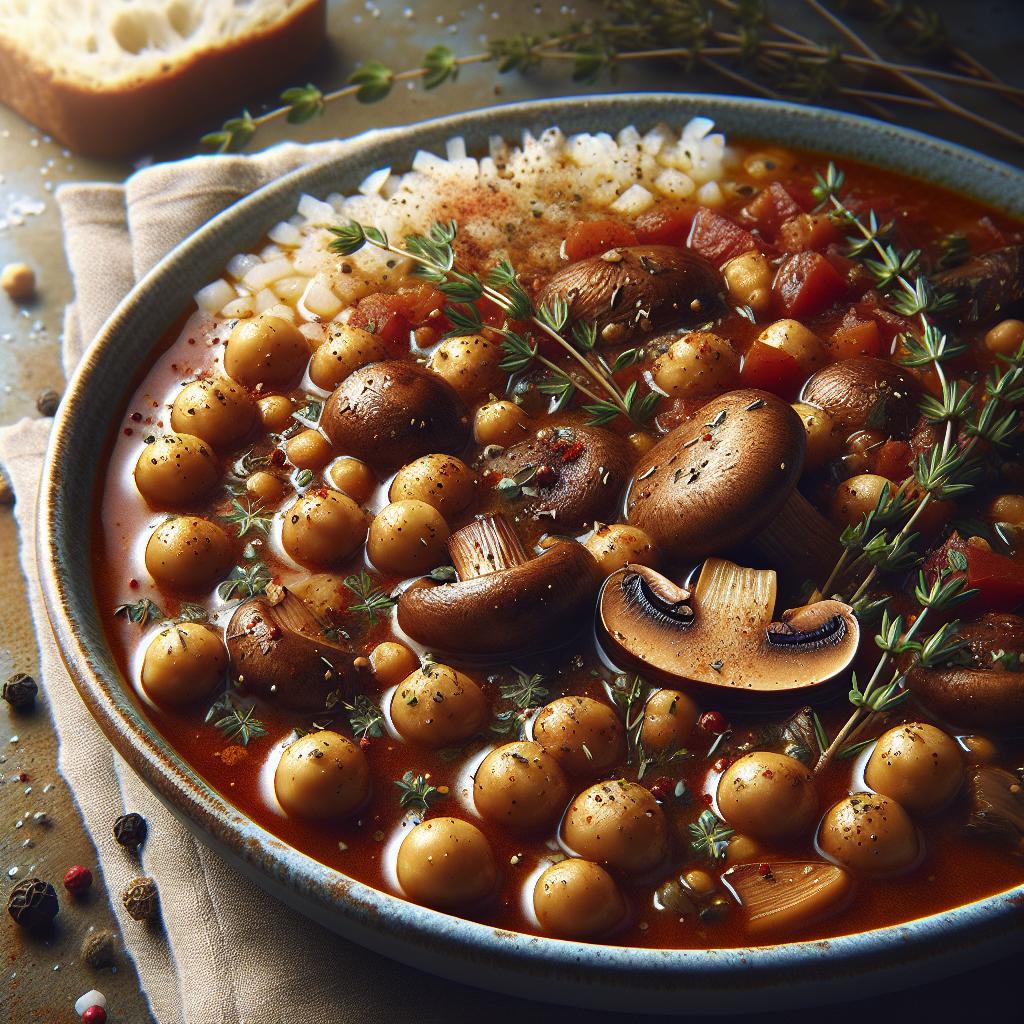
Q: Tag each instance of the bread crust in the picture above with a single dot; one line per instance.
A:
(130, 118)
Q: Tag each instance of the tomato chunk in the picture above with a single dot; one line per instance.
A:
(999, 579)
(807, 284)
(771, 208)
(380, 314)
(593, 237)
(893, 460)
(666, 224)
(770, 369)
(854, 338)
(808, 231)
(719, 239)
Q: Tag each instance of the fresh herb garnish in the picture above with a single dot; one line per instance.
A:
(417, 793)
(238, 723)
(141, 612)
(247, 517)
(245, 581)
(710, 836)
(524, 694)
(365, 717)
(373, 601)
(190, 612)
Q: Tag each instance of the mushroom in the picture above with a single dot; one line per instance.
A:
(984, 287)
(866, 394)
(722, 636)
(986, 696)
(505, 601)
(572, 475)
(280, 651)
(393, 412)
(728, 477)
(646, 288)
(996, 806)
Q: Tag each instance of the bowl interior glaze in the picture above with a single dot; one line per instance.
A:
(607, 977)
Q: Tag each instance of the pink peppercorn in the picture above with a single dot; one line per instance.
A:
(77, 880)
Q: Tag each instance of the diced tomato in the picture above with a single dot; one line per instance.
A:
(771, 208)
(806, 284)
(417, 304)
(892, 460)
(593, 237)
(889, 323)
(999, 579)
(854, 338)
(379, 314)
(666, 224)
(808, 231)
(490, 312)
(770, 369)
(719, 239)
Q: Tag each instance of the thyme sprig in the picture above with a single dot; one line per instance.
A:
(238, 722)
(373, 602)
(710, 836)
(245, 581)
(527, 692)
(364, 717)
(417, 793)
(247, 517)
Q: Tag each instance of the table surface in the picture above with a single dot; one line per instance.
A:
(44, 978)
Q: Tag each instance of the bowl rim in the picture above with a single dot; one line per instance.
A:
(582, 974)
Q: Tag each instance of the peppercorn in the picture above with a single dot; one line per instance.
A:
(47, 402)
(94, 1015)
(33, 904)
(98, 949)
(141, 899)
(713, 721)
(661, 788)
(130, 830)
(77, 880)
(20, 691)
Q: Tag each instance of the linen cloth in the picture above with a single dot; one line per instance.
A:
(227, 953)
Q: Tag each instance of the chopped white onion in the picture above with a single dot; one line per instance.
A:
(635, 200)
(317, 211)
(264, 300)
(215, 295)
(240, 308)
(674, 184)
(240, 265)
(285, 234)
(319, 300)
(373, 183)
(264, 274)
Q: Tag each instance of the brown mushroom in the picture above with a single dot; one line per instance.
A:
(866, 394)
(996, 806)
(643, 288)
(728, 477)
(984, 287)
(280, 651)
(505, 601)
(722, 635)
(988, 695)
(390, 413)
(570, 475)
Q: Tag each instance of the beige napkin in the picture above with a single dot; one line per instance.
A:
(228, 953)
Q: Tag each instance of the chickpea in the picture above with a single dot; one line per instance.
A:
(215, 409)
(520, 786)
(583, 735)
(407, 538)
(503, 423)
(699, 882)
(323, 527)
(392, 662)
(265, 488)
(324, 594)
(669, 718)
(309, 449)
(176, 469)
(443, 481)
(470, 365)
(801, 344)
(641, 442)
(183, 663)
(767, 164)
(823, 441)
(19, 281)
(742, 850)
(619, 825)
(578, 899)
(446, 863)
(697, 364)
(266, 350)
(275, 412)
(614, 546)
(869, 834)
(917, 765)
(437, 706)
(749, 280)
(768, 796)
(980, 749)
(345, 351)
(188, 553)
(322, 775)
(1005, 338)
(1007, 508)
(353, 477)
(855, 497)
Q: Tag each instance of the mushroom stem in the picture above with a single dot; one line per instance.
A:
(799, 540)
(485, 546)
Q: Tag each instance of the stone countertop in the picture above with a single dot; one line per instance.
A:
(43, 980)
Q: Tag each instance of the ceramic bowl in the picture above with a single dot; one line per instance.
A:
(601, 976)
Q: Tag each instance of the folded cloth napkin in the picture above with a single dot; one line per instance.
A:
(227, 953)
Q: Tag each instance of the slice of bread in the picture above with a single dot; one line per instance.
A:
(111, 78)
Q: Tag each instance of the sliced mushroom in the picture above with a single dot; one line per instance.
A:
(642, 289)
(505, 601)
(570, 475)
(866, 394)
(996, 806)
(985, 286)
(279, 651)
(393, 412)
(784, 897)
(723, 636)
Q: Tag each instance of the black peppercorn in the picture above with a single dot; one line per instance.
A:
(20, 691)
(130, 830)
(98, 949)
(47, 402)
(33, 904)
(141, 899)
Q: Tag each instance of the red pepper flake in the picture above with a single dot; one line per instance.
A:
(232, 754)
(277, 457)
(768, 774)
(574, 451)
(191, 341)
(708, 799)
(706, 437)
(764, 870)
(128, 431)
(136, 417)
(713, 721)
(133, 584)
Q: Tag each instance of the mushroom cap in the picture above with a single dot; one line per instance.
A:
(589, 466)
(528, 605)
(645, 288)
(722, 636)
(866, 394)
(719, 479)
(392, 412)
(985, 286)
(279, 651)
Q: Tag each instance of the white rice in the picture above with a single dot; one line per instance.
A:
(521, 198)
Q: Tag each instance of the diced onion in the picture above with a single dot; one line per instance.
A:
(215, 296)
(240, 265)
(635, 200)
(267, 273)
(264, 300)
(285, 234)
(674, 184)
(373, 183)
(316, 210)
(319, 300)
(240, 308)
